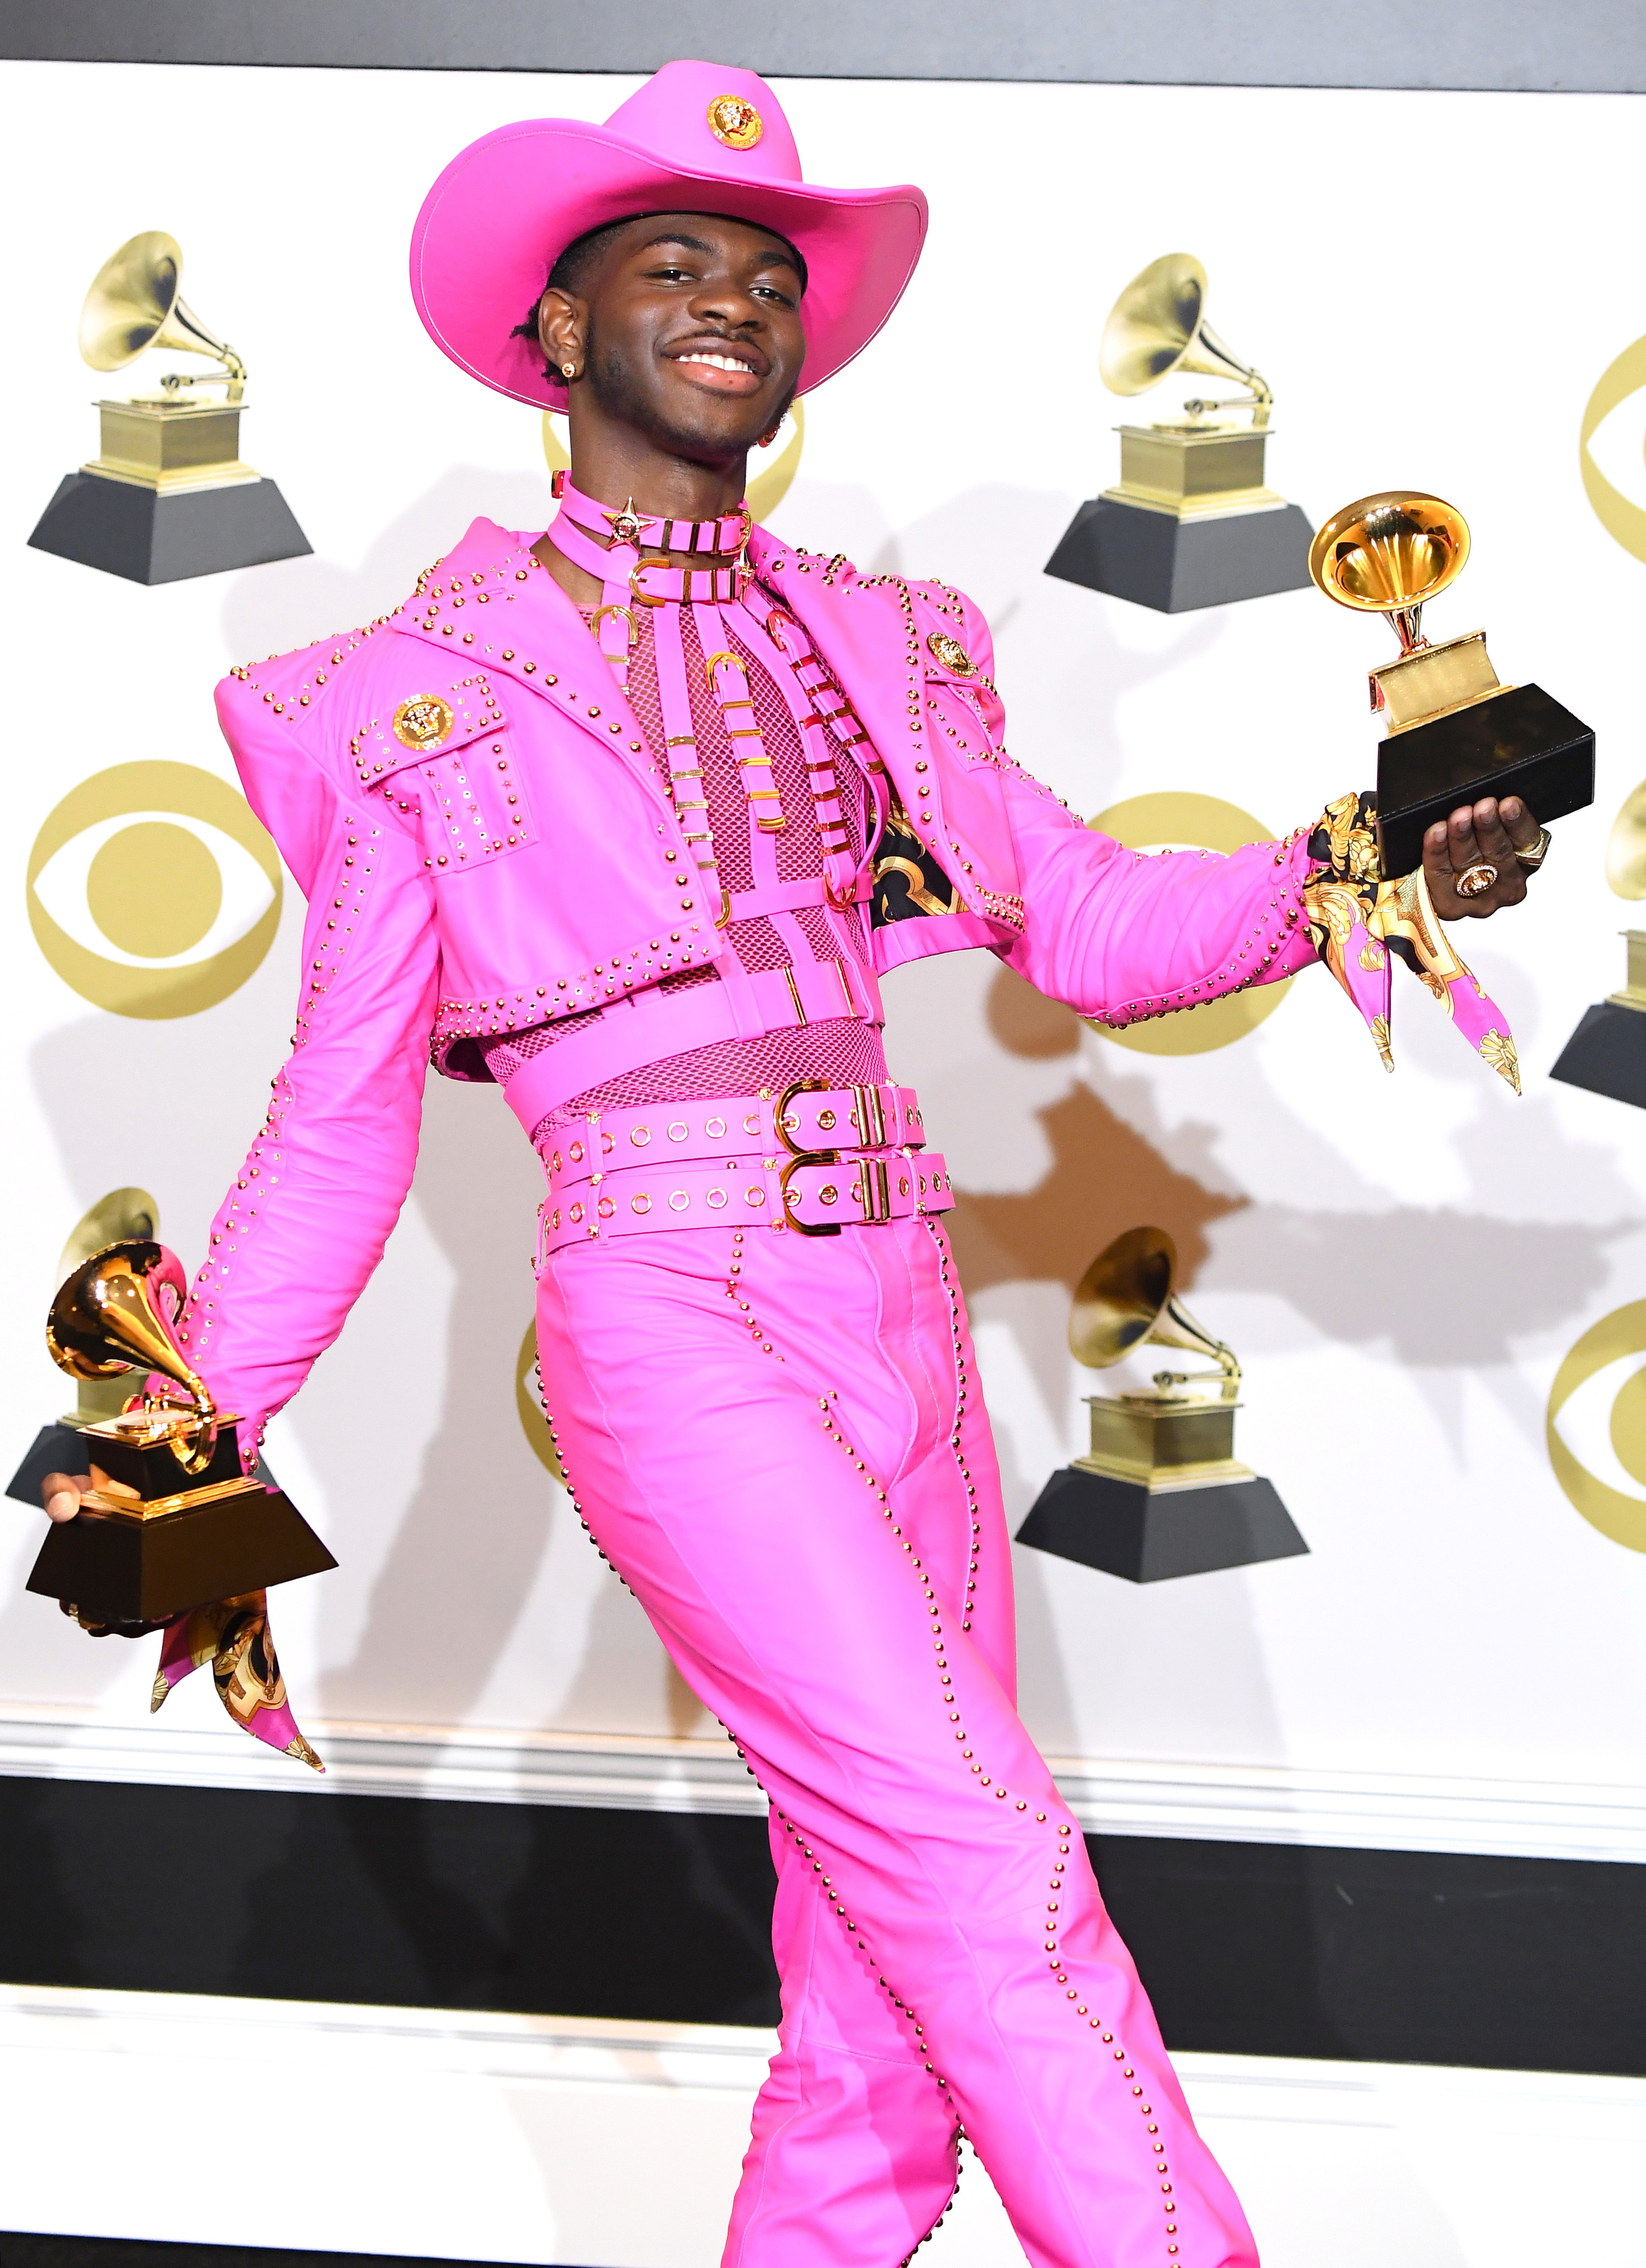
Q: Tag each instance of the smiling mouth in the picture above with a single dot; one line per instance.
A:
(725, 374)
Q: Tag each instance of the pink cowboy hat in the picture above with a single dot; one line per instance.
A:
(697, 137)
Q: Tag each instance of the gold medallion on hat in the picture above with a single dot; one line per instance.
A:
(951, 654)
(422, 722)
(735, 121)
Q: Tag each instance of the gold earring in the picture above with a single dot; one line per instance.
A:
(569, 370)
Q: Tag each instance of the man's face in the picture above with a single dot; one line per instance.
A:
(690, 332)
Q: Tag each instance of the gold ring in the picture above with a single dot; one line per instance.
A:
(1474, 881)
(1533, 857)
(627, 612)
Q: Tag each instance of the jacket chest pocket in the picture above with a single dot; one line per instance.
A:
(965, 709)
(452, 759)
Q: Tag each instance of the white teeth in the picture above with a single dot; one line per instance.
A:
(719, 362)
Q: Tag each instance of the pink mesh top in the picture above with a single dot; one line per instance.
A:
(843, 1051)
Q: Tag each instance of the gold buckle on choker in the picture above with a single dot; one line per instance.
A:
(646, 559)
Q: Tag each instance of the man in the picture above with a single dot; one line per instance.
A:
(628, 818)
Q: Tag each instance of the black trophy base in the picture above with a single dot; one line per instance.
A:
(151, 538)
(1607, 1053)
(1146, 1536)
(1176, 565)
(1520, 742)
(114, 1570)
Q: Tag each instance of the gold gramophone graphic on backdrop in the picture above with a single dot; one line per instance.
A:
(1452, 732)
(171, 1522)
(167, 496)
(1607, 1052)
(1161, 1491)
(1192, 521)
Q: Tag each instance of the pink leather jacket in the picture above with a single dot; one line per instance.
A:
(532, 866)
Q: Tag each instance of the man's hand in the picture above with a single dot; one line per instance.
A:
(1487, 833)
(62, 1492)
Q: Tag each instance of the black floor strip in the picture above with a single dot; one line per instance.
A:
(1246, 1948)
(20, 2251)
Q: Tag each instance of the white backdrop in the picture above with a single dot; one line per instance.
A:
(1401, 1263)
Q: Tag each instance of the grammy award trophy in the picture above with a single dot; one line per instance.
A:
(1607, 1052)
(1191, 523)
(1161, 1492)
(171, 1522)
(167, 497)
(1452, 733)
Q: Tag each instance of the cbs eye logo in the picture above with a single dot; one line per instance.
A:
(153, 891)
(1611, 454)
(1596, 1426)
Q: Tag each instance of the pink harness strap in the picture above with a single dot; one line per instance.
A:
(645, 1027)
(653, 582)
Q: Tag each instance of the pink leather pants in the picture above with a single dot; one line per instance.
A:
(781, 1445)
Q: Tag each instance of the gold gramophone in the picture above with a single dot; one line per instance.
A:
(1161, 1491)
(1169, 1438)
(1192, 521)
(179, 437)
(1607, 1052)
(1202, 462)
(171, 1522)
(1453, 732)
(159, 449)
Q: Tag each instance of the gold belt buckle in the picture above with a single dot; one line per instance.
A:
(801, 1157)
(646, 559)
(627, 612)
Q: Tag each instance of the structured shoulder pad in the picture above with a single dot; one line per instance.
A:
(296, 681)
(782, 560)
(290, 683)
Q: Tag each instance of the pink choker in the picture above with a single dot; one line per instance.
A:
(725, 537)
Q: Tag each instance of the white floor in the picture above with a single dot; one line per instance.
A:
(616, 2146)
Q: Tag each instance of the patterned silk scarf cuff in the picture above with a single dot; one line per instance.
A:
(1358, 922)
(233, 1636)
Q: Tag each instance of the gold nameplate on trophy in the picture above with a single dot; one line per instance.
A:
(1452, 733)
(1168, 1438)
(171, 1522)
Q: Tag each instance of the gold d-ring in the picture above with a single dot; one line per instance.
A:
(627, 612)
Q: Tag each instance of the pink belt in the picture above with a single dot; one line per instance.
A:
(816, 1158)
